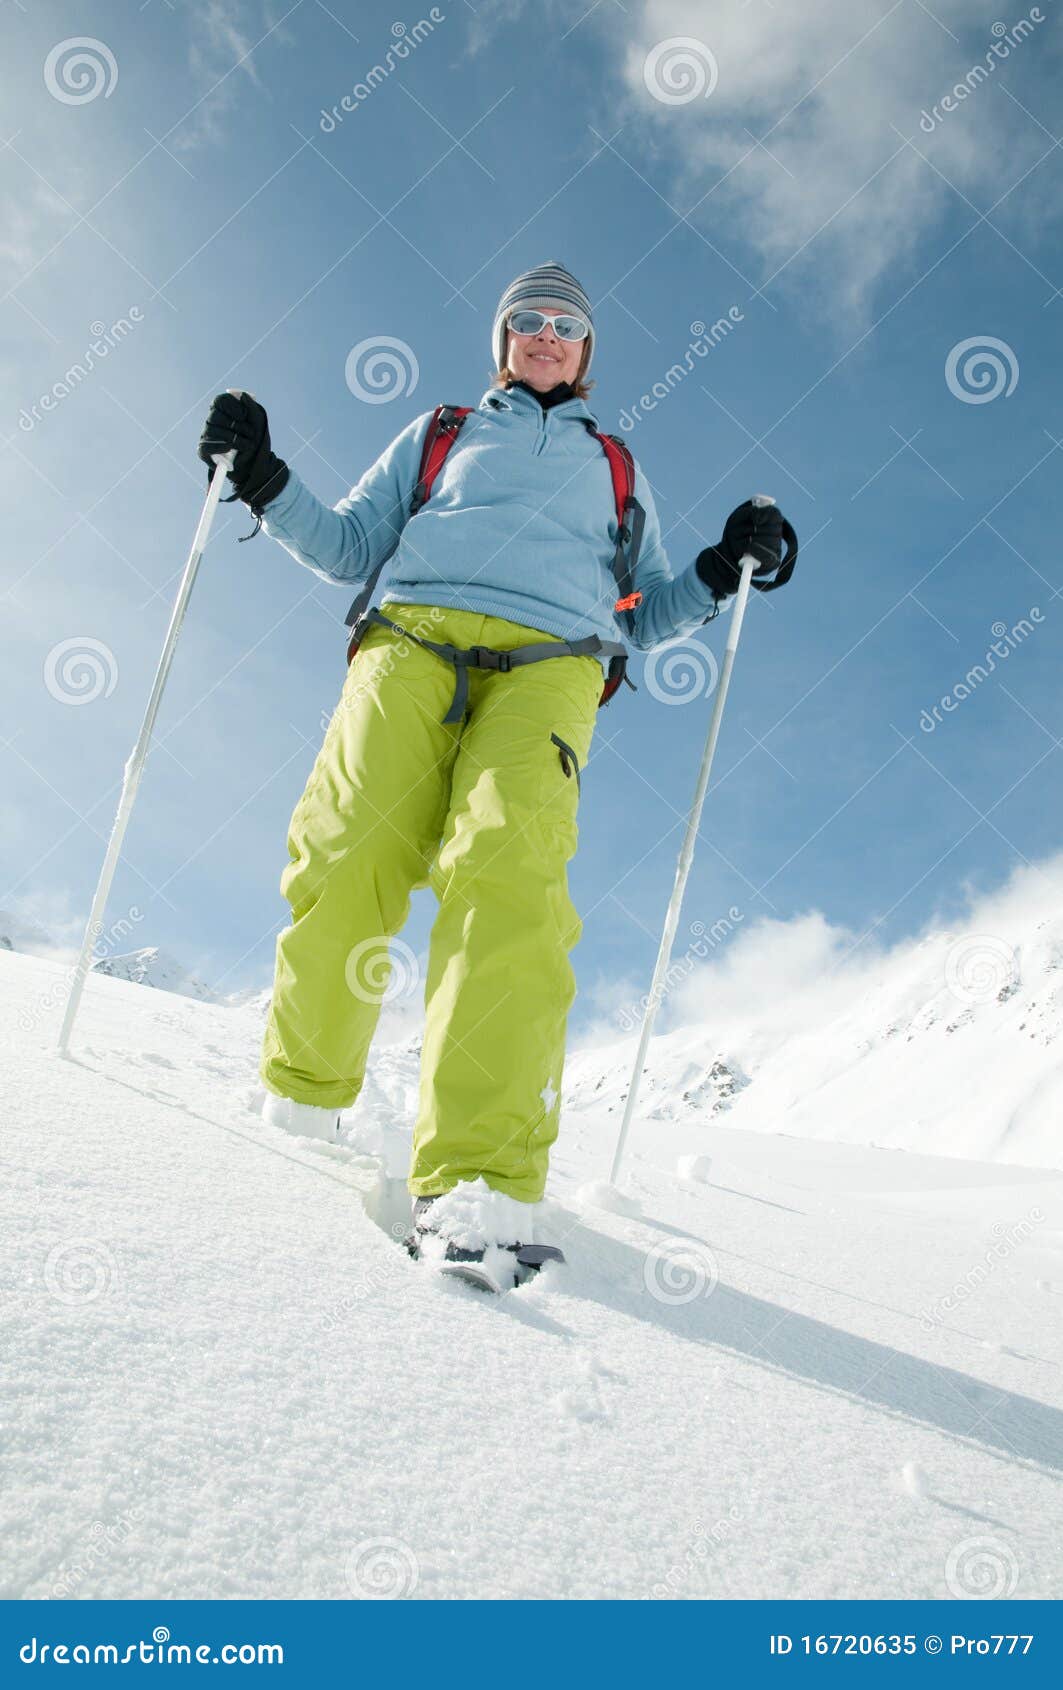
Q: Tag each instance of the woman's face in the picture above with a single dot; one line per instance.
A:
(542, 360)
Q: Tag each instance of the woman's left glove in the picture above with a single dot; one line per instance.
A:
(237, 423)
(749, 528)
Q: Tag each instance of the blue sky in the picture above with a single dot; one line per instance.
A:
(802, 167)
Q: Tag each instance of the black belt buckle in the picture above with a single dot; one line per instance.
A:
(486, 657)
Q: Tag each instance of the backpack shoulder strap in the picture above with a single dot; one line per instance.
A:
(630, 522)
(443, 429)
(622, 468)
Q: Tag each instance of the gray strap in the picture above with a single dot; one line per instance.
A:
(488, 657)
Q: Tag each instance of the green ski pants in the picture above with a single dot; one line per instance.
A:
(484, 811)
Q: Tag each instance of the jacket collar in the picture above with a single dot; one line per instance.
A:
(518, 399)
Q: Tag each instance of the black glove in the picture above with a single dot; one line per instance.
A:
(750, 528)
(238, 422)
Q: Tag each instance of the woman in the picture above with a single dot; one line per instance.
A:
(513, 548)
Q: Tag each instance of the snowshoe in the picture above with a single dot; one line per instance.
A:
(456, 1242)
(499, 1268)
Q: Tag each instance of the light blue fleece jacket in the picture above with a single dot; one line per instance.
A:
(521, 523)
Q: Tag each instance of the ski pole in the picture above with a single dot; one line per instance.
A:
(132, 772)
(686, 854)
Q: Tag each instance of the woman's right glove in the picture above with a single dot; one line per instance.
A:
(238, 423)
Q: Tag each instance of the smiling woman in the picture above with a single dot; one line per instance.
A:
(460, 767)
(536, 349)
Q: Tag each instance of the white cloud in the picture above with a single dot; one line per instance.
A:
(32, 220)
(825, 86)
(786, 977)
(221, 53)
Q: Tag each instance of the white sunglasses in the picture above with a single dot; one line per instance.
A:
(565, 324)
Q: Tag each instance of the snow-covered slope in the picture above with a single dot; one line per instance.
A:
(831, 1371)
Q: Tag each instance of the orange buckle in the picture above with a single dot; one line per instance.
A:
(629, 603)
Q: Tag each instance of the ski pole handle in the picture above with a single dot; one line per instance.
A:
(223, 463)
(749, 562)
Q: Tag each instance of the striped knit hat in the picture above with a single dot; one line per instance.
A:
(540, 287)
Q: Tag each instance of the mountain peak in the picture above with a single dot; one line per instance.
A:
(152, 966)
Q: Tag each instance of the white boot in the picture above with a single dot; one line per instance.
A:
(303, 1120)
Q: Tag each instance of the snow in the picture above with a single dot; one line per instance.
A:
(602, 1194)
(694, 1167)
(473, 1216)
(832, 1371)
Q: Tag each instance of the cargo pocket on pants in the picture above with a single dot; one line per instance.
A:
(569, 760)
(560, 791)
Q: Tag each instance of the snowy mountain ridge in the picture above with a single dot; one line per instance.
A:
(151, 966)
(949, 1045)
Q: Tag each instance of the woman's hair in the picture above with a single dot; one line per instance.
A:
(505, 377)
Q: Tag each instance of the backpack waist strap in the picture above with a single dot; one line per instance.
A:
(484, 656)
